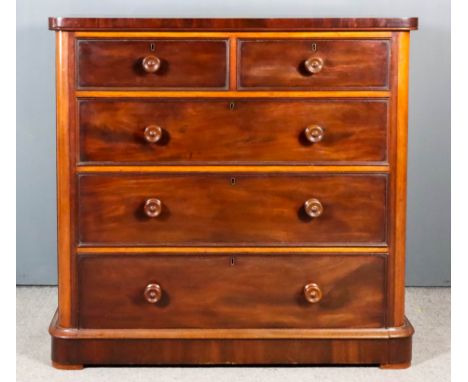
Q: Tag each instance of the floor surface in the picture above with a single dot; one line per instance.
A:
(427, 308)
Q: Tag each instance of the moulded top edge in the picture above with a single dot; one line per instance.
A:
(238, 24)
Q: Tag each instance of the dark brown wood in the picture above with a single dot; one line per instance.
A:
(182, 64)
(282, 64)
(232, 352)
(387, 347)
(235, 209)
(148, 24)
(245, 291)
(240, 131)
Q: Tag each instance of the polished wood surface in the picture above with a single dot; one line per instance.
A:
(314, 133)
(125, 64)
(391, 346)
(231, 94)
(240, 131)
(232, 209)
(234, 352)
(67, 366)
(401, 332)
(153, 133)
(151, 64)
(237, 291)
(272, 24)
(286, 64)
(153, 207)
(313, 208)
(400, 180)
(313, 293)
(233, 168)
(153, 293)
(313, 65)
(223, 250)
(65, 175)
(256, 168)
(234, 35)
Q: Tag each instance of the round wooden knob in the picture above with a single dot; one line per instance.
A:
(153, 133)
(313, 64)
(312, 293)
(314, 133)
(151, 64)
(153, 293)
(313, 208)
(153, 208)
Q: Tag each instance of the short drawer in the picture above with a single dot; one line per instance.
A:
(227, 131)
(221, 291)
(180, 64)
(233, 209)
(314, 64)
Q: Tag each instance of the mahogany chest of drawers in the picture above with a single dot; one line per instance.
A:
(231, 191)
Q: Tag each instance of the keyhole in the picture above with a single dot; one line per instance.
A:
(314, 47)
(152, 47)
(233, 261)
(233, 181)
(232, 105)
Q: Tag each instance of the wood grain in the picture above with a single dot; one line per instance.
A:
(233, 168)
(236, 35)
(232, 352)
(254, 131)
(64, 179)
(189, 251)
(212, 209)
(273, 24)
(400, 173)
(401, 332)
(230, 94)
(232, 63)
(233, 236)
(188, 64)
(232, 292)
(279, 64)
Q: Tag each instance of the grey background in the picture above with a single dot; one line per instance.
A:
(428, 244)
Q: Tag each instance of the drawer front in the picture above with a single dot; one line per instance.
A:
(220, 291)
(212, 209)
(244, 131)
(314, 64)
(133, 63)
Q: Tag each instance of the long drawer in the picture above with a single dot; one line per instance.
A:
(227, 131)
(220, 291)
(155, 63)
(236, 209)
(314, 64)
